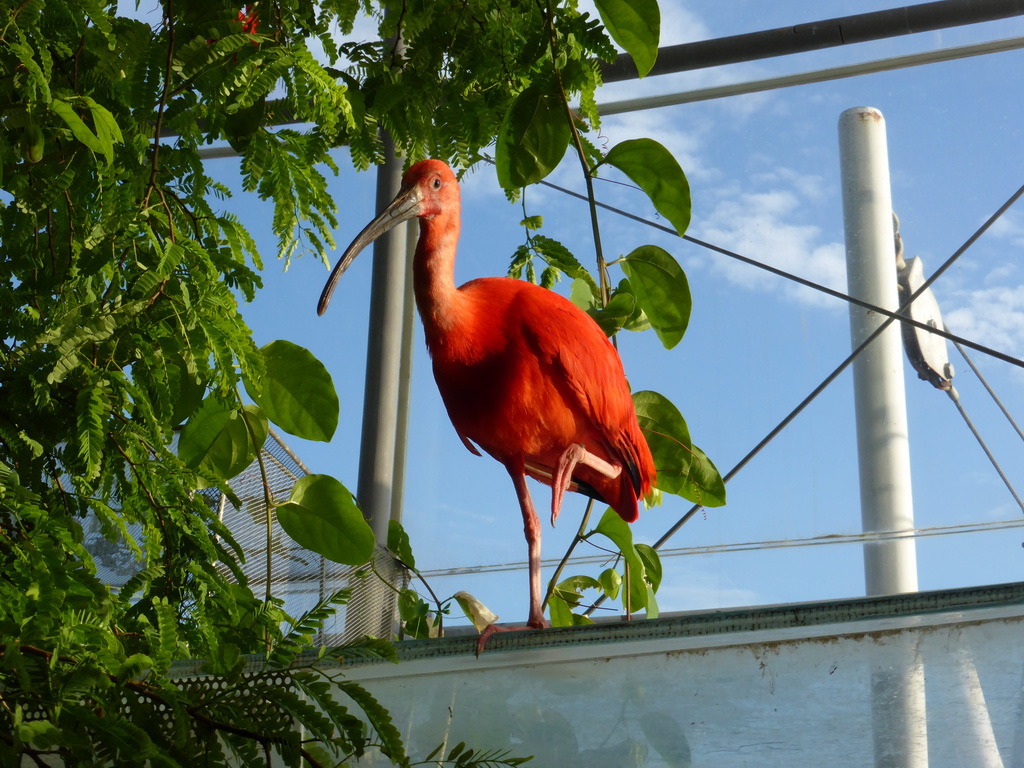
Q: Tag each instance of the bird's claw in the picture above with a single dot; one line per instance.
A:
(493, 629)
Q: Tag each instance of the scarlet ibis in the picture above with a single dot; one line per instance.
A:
(524, 373)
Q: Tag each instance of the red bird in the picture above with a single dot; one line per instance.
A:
(524, 373)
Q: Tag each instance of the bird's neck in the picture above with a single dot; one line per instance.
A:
(434, 273)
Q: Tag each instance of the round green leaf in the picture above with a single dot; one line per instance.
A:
(219, 441)
(653, 168)
(661, 290)
(297, 393)
(532, 139)
(705, 485)
(322, 516)
(668, 438)
(636, 26)
(611, 582)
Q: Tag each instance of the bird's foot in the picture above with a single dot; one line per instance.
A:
(571, 456)
(493, 629)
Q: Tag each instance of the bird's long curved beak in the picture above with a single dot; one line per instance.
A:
(404, 207)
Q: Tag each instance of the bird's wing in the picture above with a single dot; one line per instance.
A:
(579, 355)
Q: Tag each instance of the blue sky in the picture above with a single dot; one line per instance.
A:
(764, 174)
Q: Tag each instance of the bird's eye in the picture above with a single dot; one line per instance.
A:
(436, 183)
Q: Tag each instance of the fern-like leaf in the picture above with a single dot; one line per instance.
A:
(379, 719)
(93, 408)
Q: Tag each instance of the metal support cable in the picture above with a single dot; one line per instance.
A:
(944, 332)
(989, 389)
(829, 539)
(955, 397)
(843, 365)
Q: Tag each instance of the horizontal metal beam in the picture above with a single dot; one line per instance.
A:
(816, 76)
(830, 33)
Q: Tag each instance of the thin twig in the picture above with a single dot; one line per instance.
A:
(162, 106)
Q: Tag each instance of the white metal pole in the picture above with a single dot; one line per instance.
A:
(883, 448)
(890, 566)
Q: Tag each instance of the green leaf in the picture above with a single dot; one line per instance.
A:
(668, 438)
(615, 315)
(398, 543)
(704, 485)
(618, 531)
(611, 582)
(582, 295)
(637, 321)
(415, 614)
(566, 596)
(478, 613)
(108, 132)
(186, 390)
(42, 734)
(653, 168)
(559, 612)
(380, 719)
(636, 26)
(532, 139)
(560, 257)
(322, 516)
(93, 407)
(652, 564)
(222, 440)
(297, 393)
(661, 290)
(79, 129)
(651, 602)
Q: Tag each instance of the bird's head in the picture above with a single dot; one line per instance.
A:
(429, 188)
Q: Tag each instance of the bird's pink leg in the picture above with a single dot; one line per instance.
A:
(531, 527)
(571, 456)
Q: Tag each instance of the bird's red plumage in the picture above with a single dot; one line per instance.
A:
(522, 371)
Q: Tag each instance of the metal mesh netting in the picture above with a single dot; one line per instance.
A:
(298, 577)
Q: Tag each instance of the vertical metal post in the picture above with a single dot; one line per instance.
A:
(371, 610)
(883, 449)
(404, 377)
(383, 359)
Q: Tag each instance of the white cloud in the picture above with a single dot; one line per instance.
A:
(762, 226)
(681, 25)
(685, 142)
(1009, 227)
(992, 316)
